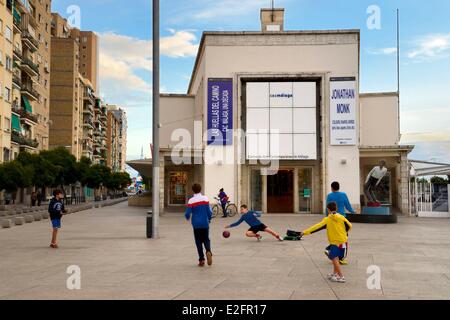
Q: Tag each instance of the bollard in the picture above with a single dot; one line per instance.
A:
(150, 224)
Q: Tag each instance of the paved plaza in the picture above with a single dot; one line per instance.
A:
(118, 262)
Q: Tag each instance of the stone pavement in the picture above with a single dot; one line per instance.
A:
(117, 262)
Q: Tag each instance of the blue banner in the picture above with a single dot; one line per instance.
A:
(220, 112)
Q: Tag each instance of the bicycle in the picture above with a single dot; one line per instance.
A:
(230, 208)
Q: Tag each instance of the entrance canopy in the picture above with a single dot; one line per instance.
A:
(424, 168)
(144, 167)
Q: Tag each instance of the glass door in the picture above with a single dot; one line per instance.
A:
(256, 190)
(178, 186)
(305, 190)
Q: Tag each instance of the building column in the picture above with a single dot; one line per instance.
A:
(404, 184)
(264, 193)
(296, 192)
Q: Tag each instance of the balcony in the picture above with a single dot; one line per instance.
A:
(30, 41)
(88, 135)
(17, 19)
(88, 109)
(30, 67)
(17, 81)
(24, 141)
(17, 53)
(87, 148)
(88, 124)
(28, 117)
(28, 90)
(25, 116)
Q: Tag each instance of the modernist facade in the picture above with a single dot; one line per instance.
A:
(285, 118)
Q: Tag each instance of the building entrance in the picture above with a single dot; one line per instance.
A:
(280, 192)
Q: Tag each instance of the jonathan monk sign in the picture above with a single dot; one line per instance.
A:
(343, 111)
(220, 112)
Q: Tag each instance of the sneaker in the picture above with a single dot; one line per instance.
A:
(201, 263)
(259, 237)
(331, 275)
(337, 279)
(343, 262)
(209, 258)
(280, 239)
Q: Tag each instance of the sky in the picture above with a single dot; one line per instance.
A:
(125, 34)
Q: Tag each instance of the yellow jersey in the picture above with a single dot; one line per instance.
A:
(337, 229)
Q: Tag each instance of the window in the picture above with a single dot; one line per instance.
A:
(1, 26)
(1, 57)
(7, 124)
(8, 34)
(7, 94)
(85, 40)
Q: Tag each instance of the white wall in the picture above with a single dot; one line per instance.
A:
(255, 57)
(379, 119)
(177, 112)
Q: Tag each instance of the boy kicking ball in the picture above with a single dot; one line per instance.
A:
(337, 227)
(256, 226)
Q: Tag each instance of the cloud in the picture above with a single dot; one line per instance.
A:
(123, 58)
(426, 120)
(125, 75)
(382, 51)
(221, 8)
(431, 47)
(179, 45)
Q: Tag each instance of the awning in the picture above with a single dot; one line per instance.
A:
(26, 104)
(15, 123)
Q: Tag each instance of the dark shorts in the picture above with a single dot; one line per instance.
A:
(259, 228)
(337, 252)
(56, 224)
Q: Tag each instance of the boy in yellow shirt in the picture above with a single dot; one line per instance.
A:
(337, 231)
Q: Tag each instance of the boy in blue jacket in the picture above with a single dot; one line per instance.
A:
(56, 209)
(198, 208)
(251, 218)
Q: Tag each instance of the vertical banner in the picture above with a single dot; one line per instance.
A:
(343, 111)
(220, 112)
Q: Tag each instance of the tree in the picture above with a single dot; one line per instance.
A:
(14, 176)
(64, 164)
(125, 180)
(43, 171)
(439, 181)
(82, 168)
(97, 176)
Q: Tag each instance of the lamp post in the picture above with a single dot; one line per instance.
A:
(155, 136)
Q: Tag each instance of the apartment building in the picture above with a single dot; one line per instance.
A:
(6, 63)
(30, 76)
(89, 59)
(66, 97)
(100, 133)
(73, 93)
(121, 115)
(112, 141)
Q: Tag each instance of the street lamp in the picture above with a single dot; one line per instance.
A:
(155, 134)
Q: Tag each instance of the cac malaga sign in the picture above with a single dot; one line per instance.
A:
(343, 111)
(220, 112)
